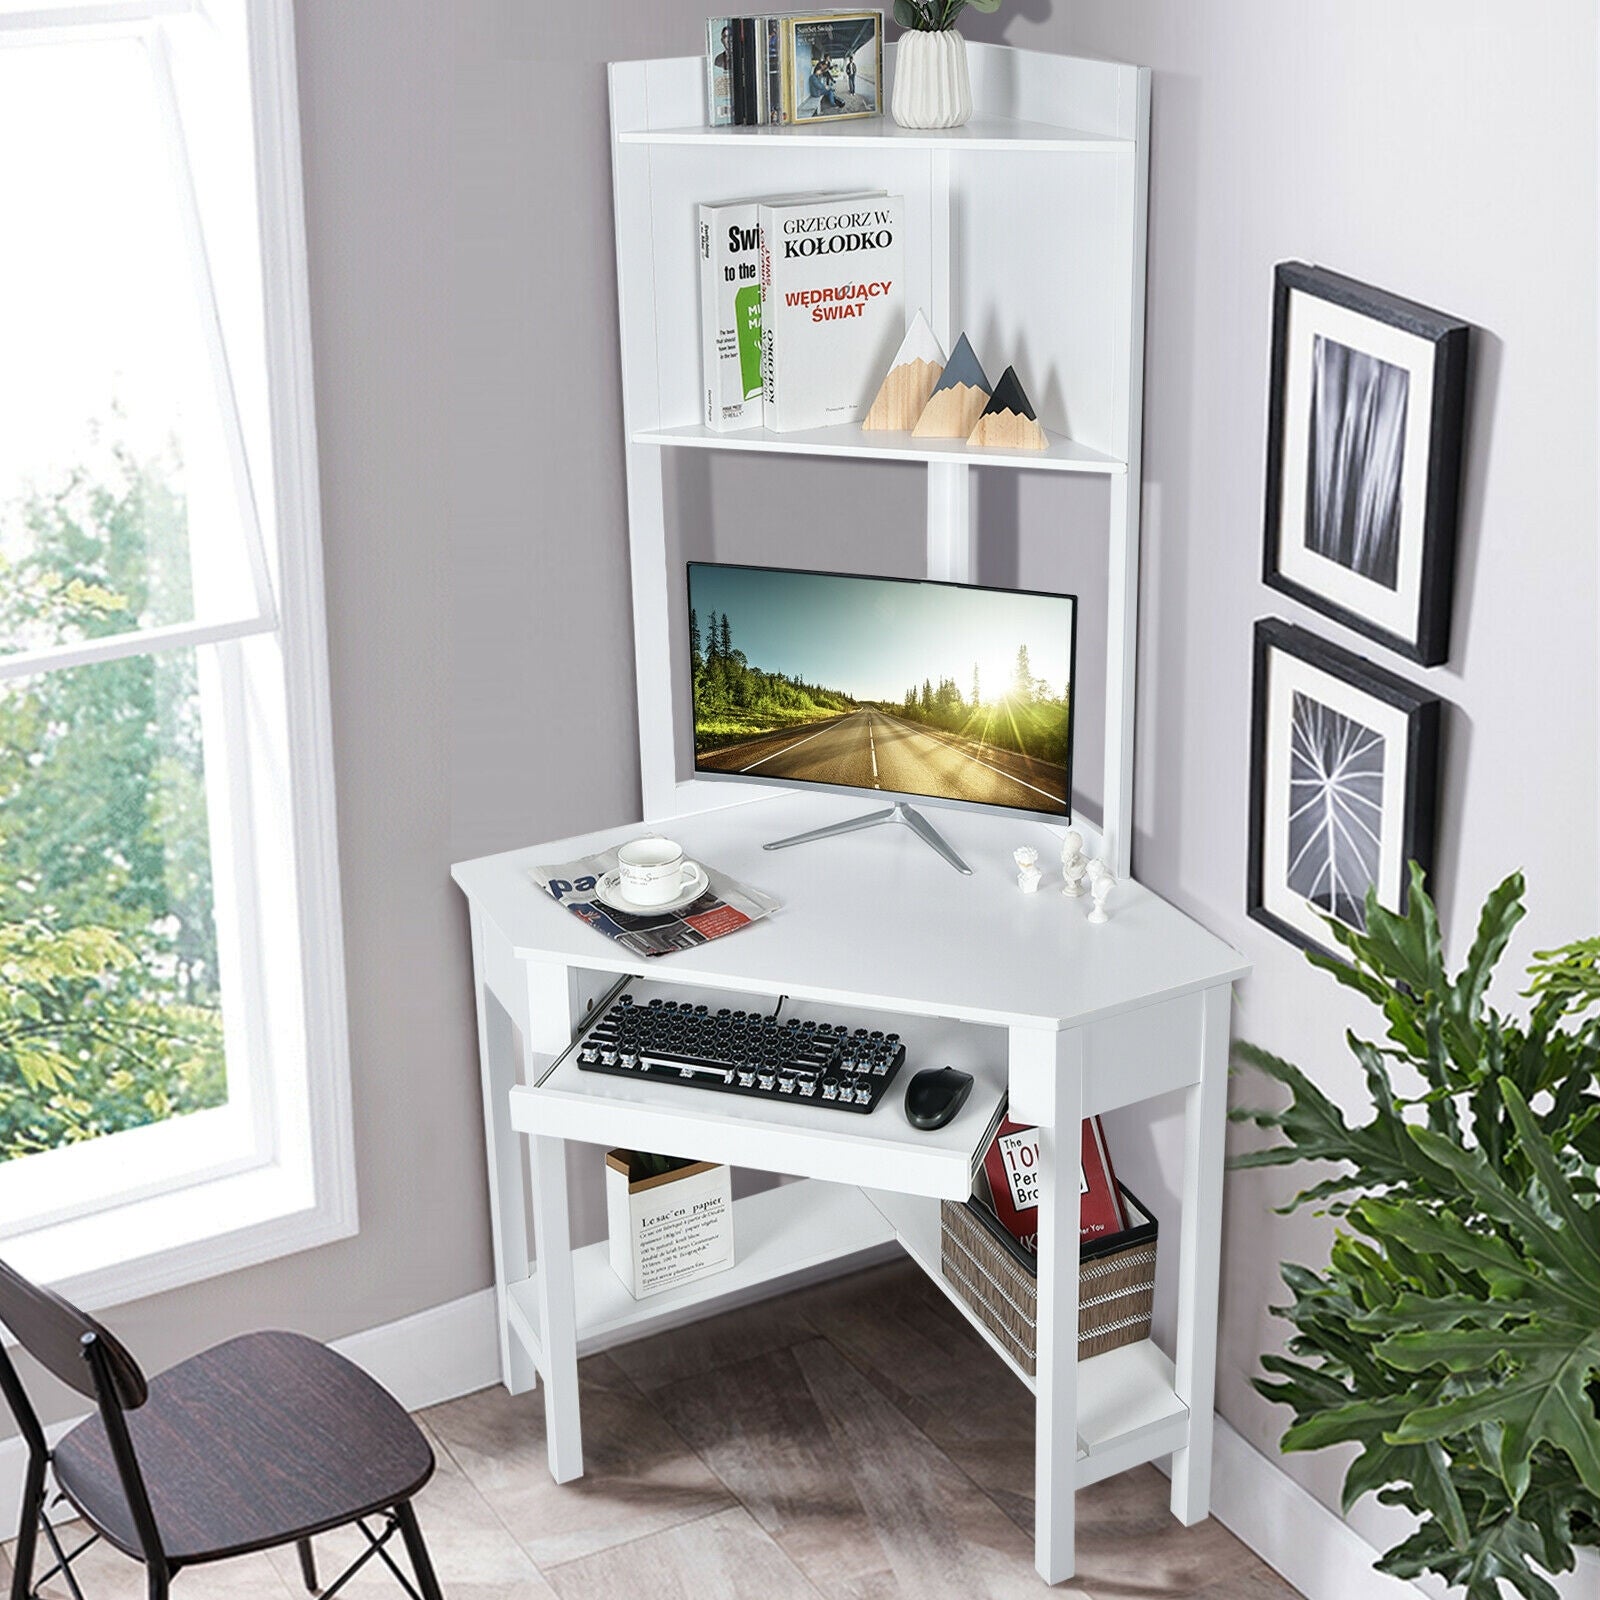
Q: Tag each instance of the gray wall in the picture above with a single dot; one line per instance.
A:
(462, 283)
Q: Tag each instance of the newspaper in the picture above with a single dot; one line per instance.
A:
(725, 907)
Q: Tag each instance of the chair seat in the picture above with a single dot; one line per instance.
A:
(264, 1439)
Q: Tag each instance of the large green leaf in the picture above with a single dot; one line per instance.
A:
(1543, 1398)
(1499, 1550)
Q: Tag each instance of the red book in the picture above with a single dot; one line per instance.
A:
(1011, 1165)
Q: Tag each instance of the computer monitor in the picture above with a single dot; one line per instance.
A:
(902, 689)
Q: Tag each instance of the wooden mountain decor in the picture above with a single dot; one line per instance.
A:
(958, 397)
(1008, 421)
(914, 371)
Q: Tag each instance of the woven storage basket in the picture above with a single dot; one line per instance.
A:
(998, 1279)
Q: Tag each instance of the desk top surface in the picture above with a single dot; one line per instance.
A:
(877, 918)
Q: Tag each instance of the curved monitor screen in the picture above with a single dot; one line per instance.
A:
(941, 690)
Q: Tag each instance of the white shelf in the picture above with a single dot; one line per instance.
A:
(1128, 1407)
(849, 439)
(874, 133)
(776, 1233)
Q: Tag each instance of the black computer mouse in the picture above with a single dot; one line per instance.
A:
(934, 1096)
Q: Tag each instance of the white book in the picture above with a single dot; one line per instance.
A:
(832, 306)
(730, 315)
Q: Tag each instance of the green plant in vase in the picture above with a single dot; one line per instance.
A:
(932, 88)
(1455, 1332)
(933, 16)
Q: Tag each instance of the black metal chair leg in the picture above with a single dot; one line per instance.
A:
(421, 1562)
(308, 1564)
(159, 1584)
(28, 1531)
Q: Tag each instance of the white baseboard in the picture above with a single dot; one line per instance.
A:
(1314, 1548)
(1290, 1529)
(434, 1356)
(454, 1349)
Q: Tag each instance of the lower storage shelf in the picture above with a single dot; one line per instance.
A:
(1128, 1406)
(776, 1234)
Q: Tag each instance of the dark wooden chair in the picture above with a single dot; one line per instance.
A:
(263, 1441)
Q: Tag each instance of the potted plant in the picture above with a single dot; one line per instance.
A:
(1454, 1333)
(931, 85)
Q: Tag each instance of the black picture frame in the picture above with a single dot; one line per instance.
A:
(1423, 714)
(1426, 637)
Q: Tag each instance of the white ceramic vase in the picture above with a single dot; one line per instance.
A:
(931, 86)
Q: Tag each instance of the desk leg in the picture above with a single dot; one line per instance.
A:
(1047, 1089)
(1199, 1259)
(500, 1058)
(557, 1308)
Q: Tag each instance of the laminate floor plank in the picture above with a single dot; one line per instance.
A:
(864, 1504)
(474, 1553)
(640, 1477)
(926, 1359)
(721, 1341)
(721, 1557)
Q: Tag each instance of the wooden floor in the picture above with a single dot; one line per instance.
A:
(855, 1440)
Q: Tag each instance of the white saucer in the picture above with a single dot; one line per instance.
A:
(608, 891)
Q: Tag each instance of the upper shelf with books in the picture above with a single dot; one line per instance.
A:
(1025, 100)
(1063, 455)
(981, 133)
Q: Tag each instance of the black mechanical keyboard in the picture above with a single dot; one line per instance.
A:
(743, 1052)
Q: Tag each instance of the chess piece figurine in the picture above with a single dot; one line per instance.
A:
(1073, 864)
(1101, 886)
(905, 391)
(1028, 875)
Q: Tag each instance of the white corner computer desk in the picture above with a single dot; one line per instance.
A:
(1022, 991)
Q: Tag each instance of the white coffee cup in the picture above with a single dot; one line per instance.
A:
(650, 870)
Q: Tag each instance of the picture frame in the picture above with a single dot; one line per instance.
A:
(1365, 443)
(1344, 785)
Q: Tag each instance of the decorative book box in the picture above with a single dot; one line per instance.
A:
(668, 1229)
(998, 1279)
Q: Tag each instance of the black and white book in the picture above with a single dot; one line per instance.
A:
(832, 306)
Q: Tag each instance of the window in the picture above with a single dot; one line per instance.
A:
(173, 1062)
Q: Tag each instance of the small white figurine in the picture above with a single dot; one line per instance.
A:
(1028, 874)
(1101, 884)
(1073, 864)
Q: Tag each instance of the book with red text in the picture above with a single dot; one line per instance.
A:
(1011, 1169)
(832, 306)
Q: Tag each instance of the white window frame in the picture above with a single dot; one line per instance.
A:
(272, 1172)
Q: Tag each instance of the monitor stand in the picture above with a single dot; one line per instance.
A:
(898, 812)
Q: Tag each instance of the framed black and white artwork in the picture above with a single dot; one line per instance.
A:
(1343, 784)
(1364, 451)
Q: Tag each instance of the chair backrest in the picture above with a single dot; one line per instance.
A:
(52, 1331)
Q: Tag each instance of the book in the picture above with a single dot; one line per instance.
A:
(771, 45)
(832, 306)
(730, 315)
(719, 71)
(832, 64)
(745, 108)
(1011, 1172)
